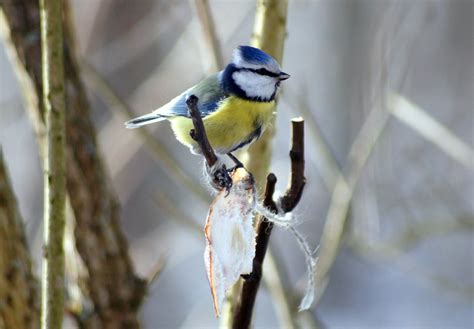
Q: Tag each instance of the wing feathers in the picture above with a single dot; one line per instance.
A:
(208, 91)
(143, 120)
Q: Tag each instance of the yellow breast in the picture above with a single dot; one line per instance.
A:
(234, 122)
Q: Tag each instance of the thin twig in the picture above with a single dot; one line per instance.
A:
(297, 180)
(52, 292)
(244, 308)
(424, 124)
(207, 24)
(199, 133)
(342, 195)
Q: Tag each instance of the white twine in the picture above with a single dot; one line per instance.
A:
(310, 269)
(288, 221)
(284, 221)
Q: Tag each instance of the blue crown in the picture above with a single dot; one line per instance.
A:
(254, 55)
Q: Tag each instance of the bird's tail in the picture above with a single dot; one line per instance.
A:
(144, 120)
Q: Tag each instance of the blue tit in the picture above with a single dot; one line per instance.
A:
(236, 104)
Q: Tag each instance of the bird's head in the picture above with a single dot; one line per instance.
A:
(253, 74)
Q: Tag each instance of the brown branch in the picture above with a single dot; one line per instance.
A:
(54, 171)
(203, 10)
(199, 133)
(244, 308)
(18, 286)
(219, 177)
(116, 292)
(297, 180)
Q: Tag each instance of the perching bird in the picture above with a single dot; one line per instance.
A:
(236, 104)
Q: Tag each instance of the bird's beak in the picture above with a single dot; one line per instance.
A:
(283, 76)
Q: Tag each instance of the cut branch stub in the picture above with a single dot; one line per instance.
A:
(297, 180)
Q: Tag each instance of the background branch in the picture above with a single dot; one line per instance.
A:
(342, 195)
(52, 288)
(269, 34)
(112, 286)
(210, 35)
(18, 286)
(169, 164)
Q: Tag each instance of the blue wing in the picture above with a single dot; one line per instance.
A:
(208, 91)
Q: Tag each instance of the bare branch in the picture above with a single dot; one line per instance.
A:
(421, 122)
(199, 133)
(244, 308)
(342, 195)
(115, 290)
(207, 24)
(297, 179)
(18, 286)
(52, 292)
(269, 34)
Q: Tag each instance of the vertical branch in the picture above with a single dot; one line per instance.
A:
(297, 180)
(244, 308)
(269, 35)
(210, 35)
(111, 284)
(199, 133)
(52, 294)
(18, 286)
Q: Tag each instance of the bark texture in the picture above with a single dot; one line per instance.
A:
(269, 34)
(54, 171)
(19, 304)
(115, 291)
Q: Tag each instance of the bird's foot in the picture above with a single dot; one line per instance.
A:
(222, 179)
(237, 162)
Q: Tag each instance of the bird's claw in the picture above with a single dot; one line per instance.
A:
(223, 179)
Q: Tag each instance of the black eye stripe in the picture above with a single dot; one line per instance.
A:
(263, 71)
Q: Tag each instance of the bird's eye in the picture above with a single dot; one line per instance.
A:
(262, 71)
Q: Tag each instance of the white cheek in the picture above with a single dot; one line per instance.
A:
(255, 85)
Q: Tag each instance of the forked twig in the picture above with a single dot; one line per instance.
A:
(244, 308)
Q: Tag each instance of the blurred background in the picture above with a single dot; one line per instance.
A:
(386, 88)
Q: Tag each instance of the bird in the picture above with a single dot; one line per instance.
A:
(236, 104)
